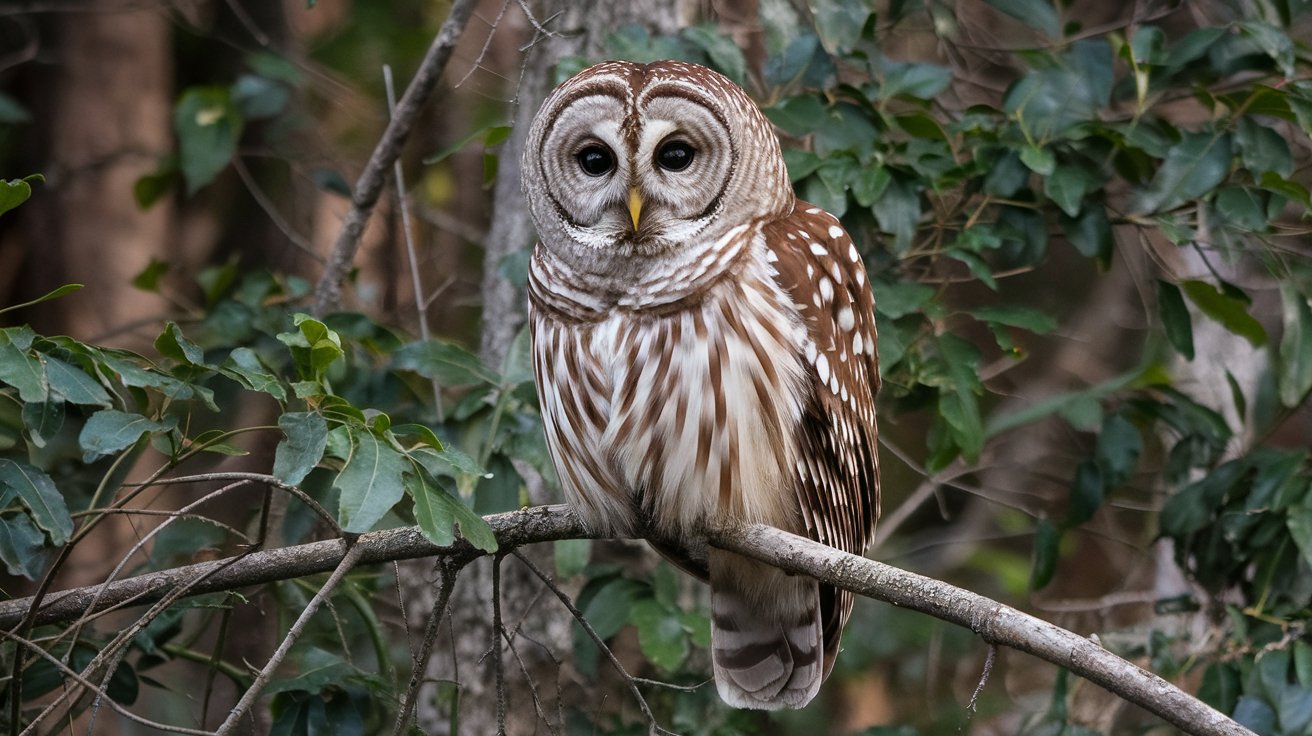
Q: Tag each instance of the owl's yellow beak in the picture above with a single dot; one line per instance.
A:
(635, 206)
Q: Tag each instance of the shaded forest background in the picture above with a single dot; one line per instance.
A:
(1086, 228)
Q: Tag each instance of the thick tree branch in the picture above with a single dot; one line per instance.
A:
(537, 524)
(994, 622)
(370, 184)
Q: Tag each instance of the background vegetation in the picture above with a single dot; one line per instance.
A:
(1085, 225)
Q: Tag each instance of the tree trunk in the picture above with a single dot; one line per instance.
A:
(577, 29)
(108, 121)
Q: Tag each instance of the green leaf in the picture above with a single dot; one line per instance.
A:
(1087, 492)
(11, 112)
(1118, 450)
(1039, 160)
(42, 421)
(921, 81)
(1191, 508)
(1047, 541)
(665, 585)
(22, 546)
(14, 192)
(898, 213)
(1262, 149)
(1038, 14)
(258, 97)
(425, 437)
(55, 294)
(798, 115)
(1000, 423)
(1091, 234)
(370, 484)
(314, 347)
(42, 499)
(957, 402)
(448, 363)
(1220, 687)
(432, 510)
(1194, 46)
(208, 127)
(74, 385)
(1242, 207)
(442, 508)
(172, 344)
(244, 366)
(23, 371)
(720, 49)
(1273, 41)
(1295, 367)
(1175, 318)
(900, 298)
(111, 430)
(1026, 318)
(1229, 311)
(1193, 167)
(451, 461)
(571, 556)
(609, 609)
(305, 439)
(1067, 187)
(660, 634)
(148, 278)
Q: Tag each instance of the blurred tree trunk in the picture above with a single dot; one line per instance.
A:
(577, 28)
(106, 119)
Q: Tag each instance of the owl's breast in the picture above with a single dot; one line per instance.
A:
(705, 402)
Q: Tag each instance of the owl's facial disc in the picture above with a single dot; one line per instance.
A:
(682, 162)
(643, 174)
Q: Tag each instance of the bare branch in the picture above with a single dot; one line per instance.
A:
(601, 645)
(248, 698)
(994, 622)
(538, 524)
(450, 568)
(369, 186)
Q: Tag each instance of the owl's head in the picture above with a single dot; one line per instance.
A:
(633, 159)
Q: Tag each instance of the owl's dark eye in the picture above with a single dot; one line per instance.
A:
(596, 160)
(674, 156)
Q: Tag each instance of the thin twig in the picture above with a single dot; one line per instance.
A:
(269, 480)
(592, 634)
(328, 293)
(498, 667)
(261, 680)
(78, 678)
(983, 678)
(449, 568)
(528, 678)
(407, 235)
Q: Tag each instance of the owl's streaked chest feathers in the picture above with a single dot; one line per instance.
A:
(679, 412)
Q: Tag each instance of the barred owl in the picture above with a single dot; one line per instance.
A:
(704, 351)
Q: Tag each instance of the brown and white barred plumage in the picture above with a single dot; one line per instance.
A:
(704, 349)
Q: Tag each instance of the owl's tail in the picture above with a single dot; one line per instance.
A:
(767, 644)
